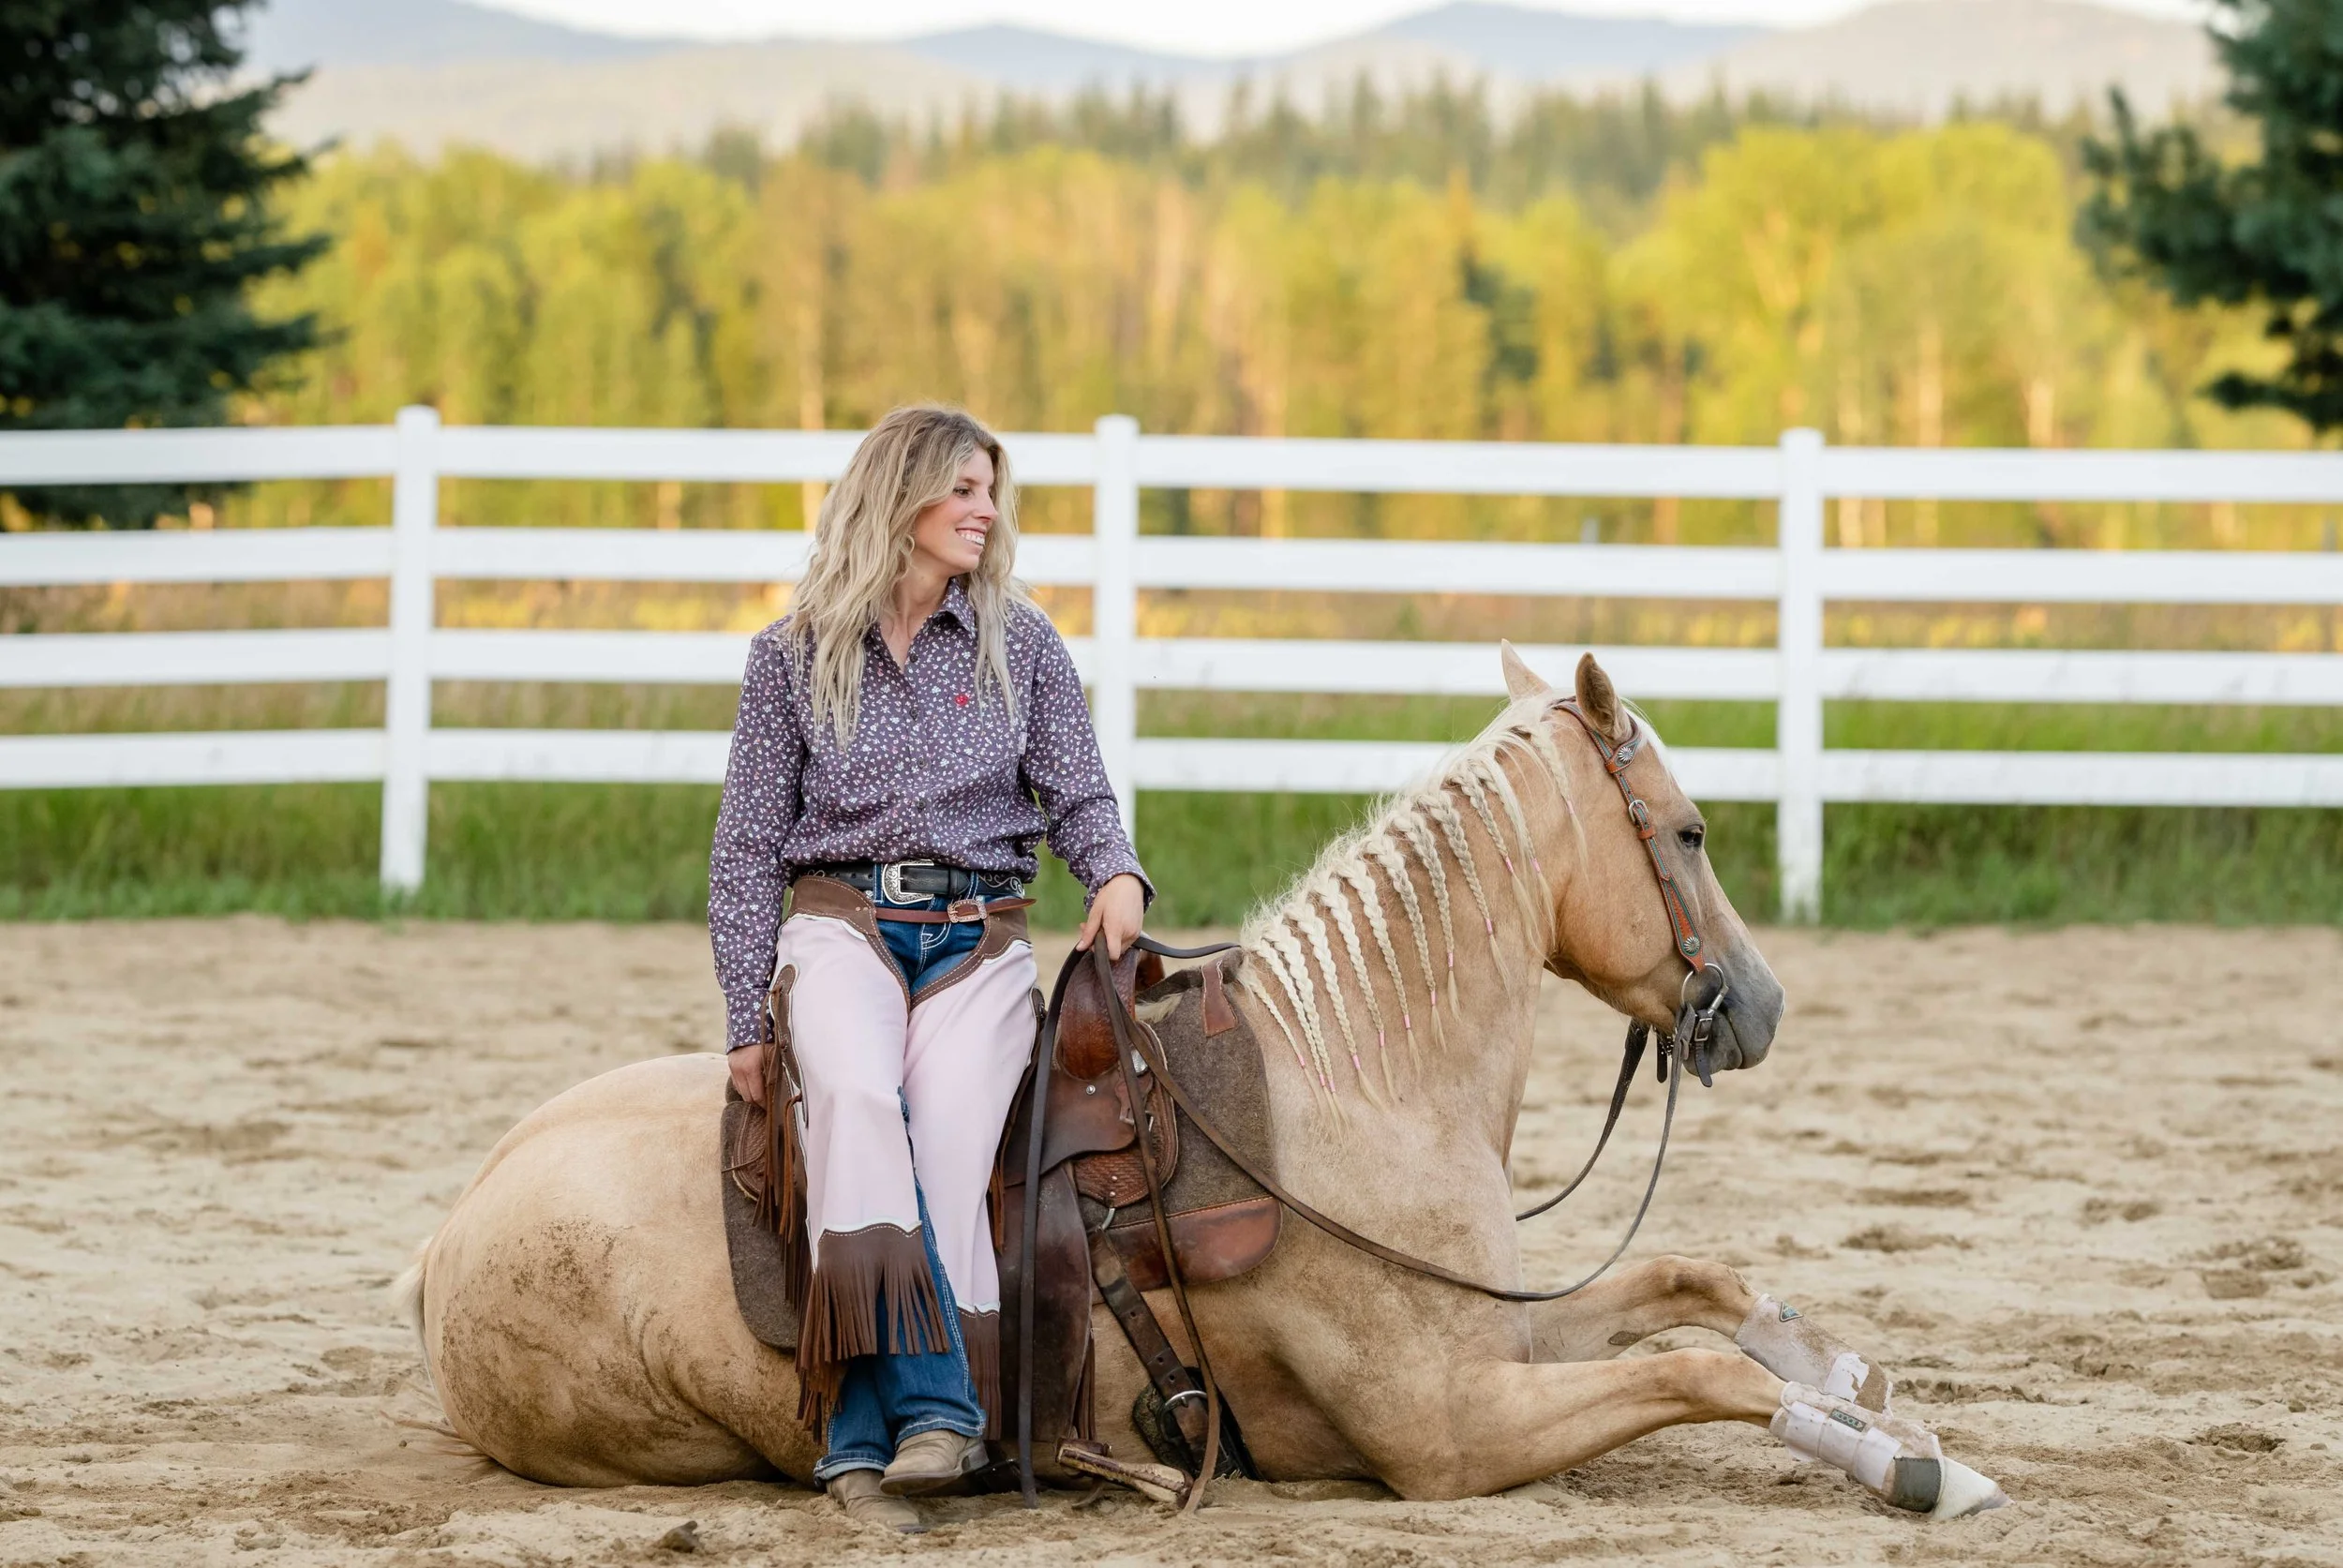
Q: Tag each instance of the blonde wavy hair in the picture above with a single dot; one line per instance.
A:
(862, 545)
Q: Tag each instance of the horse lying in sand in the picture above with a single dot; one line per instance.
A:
(577, 1308)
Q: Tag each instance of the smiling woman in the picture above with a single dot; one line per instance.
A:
(906, 735)
(926, 501)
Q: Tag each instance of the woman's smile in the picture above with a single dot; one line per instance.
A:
(950, 533)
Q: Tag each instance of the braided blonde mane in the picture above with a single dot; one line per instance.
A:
(1424, 827)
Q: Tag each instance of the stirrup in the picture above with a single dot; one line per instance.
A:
(1157, 1483)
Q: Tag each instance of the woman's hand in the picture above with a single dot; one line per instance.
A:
(1117, 912)
(747, 1066)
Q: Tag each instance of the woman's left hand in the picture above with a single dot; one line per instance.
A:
(1117, 912)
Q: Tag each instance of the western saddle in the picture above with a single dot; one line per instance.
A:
(1082, 1217)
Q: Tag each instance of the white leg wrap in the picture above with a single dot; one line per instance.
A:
(1790, 1346)
(1900, 1461)
(1817, 1425)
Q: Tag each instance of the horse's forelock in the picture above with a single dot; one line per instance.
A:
(1657, 741)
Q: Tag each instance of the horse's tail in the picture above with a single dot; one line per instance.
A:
(407, 1301)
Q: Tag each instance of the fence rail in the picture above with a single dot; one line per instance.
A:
(1116, 563)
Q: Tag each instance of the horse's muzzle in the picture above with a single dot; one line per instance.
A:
(1722, 1023)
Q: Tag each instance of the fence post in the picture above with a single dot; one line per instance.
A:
(1797, 723)
(1114, 608)
(407, 696)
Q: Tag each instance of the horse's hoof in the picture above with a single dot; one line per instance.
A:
(1962, 1492)
(1942, 1488)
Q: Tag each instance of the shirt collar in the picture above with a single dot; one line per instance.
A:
(956, 604)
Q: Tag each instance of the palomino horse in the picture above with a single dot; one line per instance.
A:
(576, 1310)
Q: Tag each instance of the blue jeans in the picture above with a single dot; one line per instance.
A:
(884, 1399)
(925, 953)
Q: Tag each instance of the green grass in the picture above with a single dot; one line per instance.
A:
(498, 851)
(1946, 865)
(639, 852)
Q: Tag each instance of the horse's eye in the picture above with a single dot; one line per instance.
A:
(1693, 838)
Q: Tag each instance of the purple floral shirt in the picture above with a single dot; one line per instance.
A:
(934, 773)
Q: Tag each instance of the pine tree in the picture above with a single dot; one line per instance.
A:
(134, 180)
(2267, 233)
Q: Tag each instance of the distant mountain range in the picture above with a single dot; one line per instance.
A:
(427, 72)
(297, 34)
(1922, 56)
(1511, 41)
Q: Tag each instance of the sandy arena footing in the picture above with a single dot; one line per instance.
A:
(2081, 1191)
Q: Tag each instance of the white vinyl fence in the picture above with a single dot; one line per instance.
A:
(1116, 563)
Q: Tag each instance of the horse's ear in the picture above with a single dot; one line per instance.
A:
(1520, 680)
(1598, 700)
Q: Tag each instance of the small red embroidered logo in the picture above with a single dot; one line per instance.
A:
(962, 699)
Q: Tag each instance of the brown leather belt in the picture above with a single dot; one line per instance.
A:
(965, 911)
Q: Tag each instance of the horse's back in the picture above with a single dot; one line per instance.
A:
(671, 1090)
(577, 1305)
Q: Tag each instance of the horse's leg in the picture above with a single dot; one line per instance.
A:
(1637, 1302)
(1508, 1423)
(1679, 1292)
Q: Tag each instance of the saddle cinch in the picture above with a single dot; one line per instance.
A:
(1095, 1235)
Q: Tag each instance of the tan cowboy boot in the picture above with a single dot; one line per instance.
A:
(858, 1492)
(930, 1461)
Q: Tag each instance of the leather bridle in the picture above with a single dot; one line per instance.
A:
(1696, 1021)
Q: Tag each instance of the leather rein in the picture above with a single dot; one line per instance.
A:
(1135, 1051)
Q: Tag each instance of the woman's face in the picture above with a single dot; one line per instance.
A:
(949, 535)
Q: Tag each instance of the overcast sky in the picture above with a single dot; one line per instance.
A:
(1183, 26)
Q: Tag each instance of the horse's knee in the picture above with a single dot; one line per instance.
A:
(1703, 1281)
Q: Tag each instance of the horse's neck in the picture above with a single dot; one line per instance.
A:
(1532, 890)
(1492, 1003)
(1460, 1076)
(1491, 1020)
(1450, 896)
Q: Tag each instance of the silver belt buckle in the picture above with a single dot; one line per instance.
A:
(891, 880)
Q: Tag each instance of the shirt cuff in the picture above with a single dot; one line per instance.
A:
(744, 1022)
(1105, 870)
